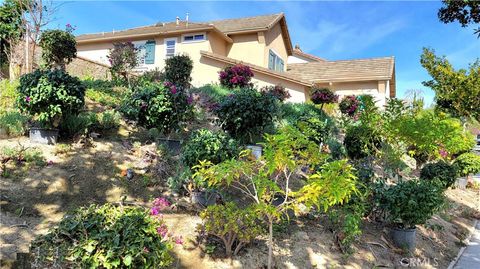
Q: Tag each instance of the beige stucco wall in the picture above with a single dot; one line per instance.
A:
(374, 88)
(208, 74)
(95, 51)
(247, 48)
(274, 40)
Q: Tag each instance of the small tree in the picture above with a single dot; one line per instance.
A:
(268, 181)
(178, 70)
(58, 48)
(123, 58)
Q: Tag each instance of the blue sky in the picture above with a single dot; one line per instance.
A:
(333, 30)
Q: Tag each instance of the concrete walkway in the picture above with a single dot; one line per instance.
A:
(470, 258)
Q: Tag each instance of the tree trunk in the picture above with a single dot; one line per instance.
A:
(270, 243)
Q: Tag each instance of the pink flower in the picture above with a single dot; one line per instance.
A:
(154, 211)
(179, 240)
(443, 153)
(28, 99)
(50, 162)
(173, 89)
(162, 230)
(145, 249)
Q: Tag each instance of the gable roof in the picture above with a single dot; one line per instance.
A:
(223, 27)
(345, 70)
(300, 53)
(151, 31)
(259, 69)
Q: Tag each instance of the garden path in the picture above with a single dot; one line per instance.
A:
(470, 258)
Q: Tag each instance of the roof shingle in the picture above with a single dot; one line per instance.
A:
(344, 70)
(244, 24)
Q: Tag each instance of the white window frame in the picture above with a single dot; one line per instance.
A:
(194, 34)
(165, 40)
(275, 61)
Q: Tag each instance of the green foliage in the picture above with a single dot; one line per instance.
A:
(104, 92)
(11, 26)
(8, 94)
(467, 164)
(49, 95)
(58, 47)
(73, 125)
(105, 121)
(361, 141)
(349, 105)
(13, 123)
(246, 114)
(465, 12)
(206, 145)
(291, 113)
(83, 123)
(234, 226)
(277, 91)
(104, 237)
(22, 154)
(412, 202)
(154, 105)
(441, 171)
(122, 58)
(178, 69)
(456, 91)
(318, 130)
(214, 92)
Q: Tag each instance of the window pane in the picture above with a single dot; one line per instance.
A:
(188, 38)
(170, 43)
(199, 37)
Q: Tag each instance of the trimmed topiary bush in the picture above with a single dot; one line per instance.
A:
(246, 114)
(58, 48)
(237, 76)
(49, 95)
(276, 91)
(322, 96)
(208, 145)
(105, 237)
(349, 105)
(178, 70)
(441, 171)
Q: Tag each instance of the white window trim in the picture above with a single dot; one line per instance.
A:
(278, 56)
(194, 34)
(165, 44)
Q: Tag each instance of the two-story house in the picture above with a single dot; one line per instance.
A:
(261, 42)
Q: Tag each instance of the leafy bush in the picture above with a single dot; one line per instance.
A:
(213, 91)
(8, 94)
(122, 58)
(246, 113)
(276, 91)
(317, 130)
(237, 76)
(337, 150)
(349, 105)
(467, 164)
(106, 120)
(178, 70)
(322, 96)
(441, 171)
(292, 113)
(360, 141)
(49, 95)
(21, 154)
(58, 47)
(107, 237)
(412, 202)
(155, 105)
(207, 145)
(73, 125)
(234, 226)
(13, 123)
(104, 92)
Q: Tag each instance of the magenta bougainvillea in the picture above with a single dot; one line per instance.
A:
(321, 96)
(277, 91)
(349, 105)
(237, 76)
(159, 205)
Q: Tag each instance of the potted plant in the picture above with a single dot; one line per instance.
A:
(466, 165)
(48, 96)
(408, 204)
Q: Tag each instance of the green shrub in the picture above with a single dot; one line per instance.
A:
(8, 94)
(317, 130)
(157, 106)
(58, 47)
(234, 226)
(467, 164)
(207, 145)
(122, 58)
(49, 95)
(337, 150)
(214, 92)
(412, 202)
(104, 92)
(360, 141)
(292, 113)
(246, 114)
(104, 237)
(73, 125)
(441, 171)
(14, 123)
(106, 120)
(178, 70)
(21, 154)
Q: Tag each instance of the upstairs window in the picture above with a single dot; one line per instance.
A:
(275, 62)
(170, 47)
(193, 38)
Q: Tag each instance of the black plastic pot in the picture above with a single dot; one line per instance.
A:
(43, 136)
(404, 238)
(174, 146)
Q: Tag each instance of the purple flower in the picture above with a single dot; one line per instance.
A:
(28, 99)
(179, 240)
(189, 100)
(154, 211)
(173, 89)
(162, 230)
(443, 153)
